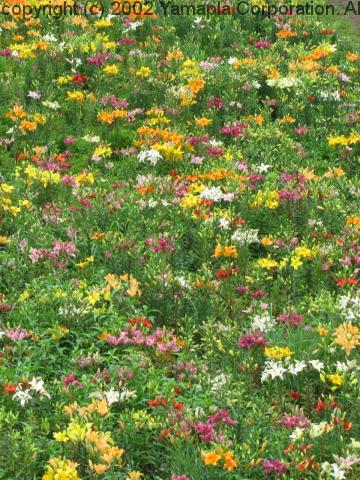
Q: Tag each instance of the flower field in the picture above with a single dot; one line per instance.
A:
(179, 245)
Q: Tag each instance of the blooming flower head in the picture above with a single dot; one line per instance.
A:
(152, 156)
(75, 96)
(264, 323)
(277, 353)
(225, 251)
(290, 319)
(251, 340)
(196, 85)
(294, 421)
(210, 458)
(134, 475)
(22, 396)
(229, 462)
(336, 379)
(15, 334)
(143, 72)
(347, 336)
(111, 69)
(273, 370)
(214, 457)
(61, 469)
(273, 466)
